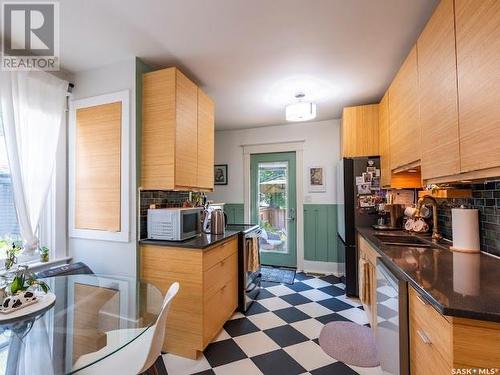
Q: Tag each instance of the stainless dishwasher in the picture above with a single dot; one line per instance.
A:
(392, 321)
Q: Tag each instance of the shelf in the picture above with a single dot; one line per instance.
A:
(446, 193)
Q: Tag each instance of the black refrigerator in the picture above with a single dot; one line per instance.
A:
(358, 186)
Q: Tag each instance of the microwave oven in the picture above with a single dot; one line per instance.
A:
(173, 224)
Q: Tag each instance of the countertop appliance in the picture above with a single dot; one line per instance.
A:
(355, 178)
(392, 330)
(218, 219)
(173, 224)
(248, 281)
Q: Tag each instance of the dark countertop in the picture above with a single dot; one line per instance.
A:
(456, 284)
(201, 241)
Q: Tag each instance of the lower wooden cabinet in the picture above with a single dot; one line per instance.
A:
(441, 343)
(208, 293)
(368, 279)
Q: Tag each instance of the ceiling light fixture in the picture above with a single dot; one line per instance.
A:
(300, 111)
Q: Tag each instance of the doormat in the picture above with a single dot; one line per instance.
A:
(277, 275)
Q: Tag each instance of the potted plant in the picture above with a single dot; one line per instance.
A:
(24, 279)
(44, 254)
(12, 252)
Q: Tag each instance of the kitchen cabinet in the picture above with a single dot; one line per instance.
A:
(368, 279)
(208, 294)
(384, 142)
(360, 131)
(478, 67)
(175, 127)
(205, 141)
(448, 342)
(404, 130)
(438, 95)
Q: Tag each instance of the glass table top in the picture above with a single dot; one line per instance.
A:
(92, 318)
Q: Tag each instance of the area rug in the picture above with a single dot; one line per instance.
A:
(277, 275)
(350, 343)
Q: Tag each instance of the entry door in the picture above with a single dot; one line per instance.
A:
(274, 206)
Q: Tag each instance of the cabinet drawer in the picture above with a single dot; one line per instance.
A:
(218, 308)
(214, 255)
(425, 359)
(426, 324)
(219, 275)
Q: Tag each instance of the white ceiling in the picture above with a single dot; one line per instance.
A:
(251, 56)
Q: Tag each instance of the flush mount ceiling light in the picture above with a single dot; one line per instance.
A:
(300, 111)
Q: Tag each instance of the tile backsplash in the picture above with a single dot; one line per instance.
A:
(162, 199)
(486, 198)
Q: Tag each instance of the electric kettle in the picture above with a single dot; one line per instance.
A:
(218, 220)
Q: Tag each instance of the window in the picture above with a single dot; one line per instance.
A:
(9, 226)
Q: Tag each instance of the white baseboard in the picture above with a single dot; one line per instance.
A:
(336, 269)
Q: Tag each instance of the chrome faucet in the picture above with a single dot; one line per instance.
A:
(427, 199)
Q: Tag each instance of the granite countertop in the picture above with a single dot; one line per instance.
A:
(456, 284)
(201, 241)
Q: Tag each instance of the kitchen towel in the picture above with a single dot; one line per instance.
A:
(465, 227)
(252, 253)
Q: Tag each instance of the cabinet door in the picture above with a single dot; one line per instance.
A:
(478, 66)
(438, 94)
(404, 114)
(205, 141)
(186, 133)
(360, 131)
(384, 139)
(158, 129)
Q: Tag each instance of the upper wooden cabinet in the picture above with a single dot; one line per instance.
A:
(384, 141)
(478, 66)
(177, 124)
(438, 94)
(404, 114)
(205, 141)
(360, 131)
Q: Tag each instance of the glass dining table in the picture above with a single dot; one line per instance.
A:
(56, 340)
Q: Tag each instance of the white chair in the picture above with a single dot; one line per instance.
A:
(137, 356)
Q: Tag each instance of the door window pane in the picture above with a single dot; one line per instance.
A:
(273, 205)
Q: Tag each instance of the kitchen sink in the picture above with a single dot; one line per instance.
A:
(403, 240)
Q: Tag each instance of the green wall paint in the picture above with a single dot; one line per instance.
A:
(235, 213)
(320, 232)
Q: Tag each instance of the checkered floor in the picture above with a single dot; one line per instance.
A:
(279, 334)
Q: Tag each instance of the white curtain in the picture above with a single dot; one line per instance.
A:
(32, 109)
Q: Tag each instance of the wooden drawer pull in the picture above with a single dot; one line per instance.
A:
(425, 339)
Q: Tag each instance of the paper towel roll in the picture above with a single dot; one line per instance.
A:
(465, 227)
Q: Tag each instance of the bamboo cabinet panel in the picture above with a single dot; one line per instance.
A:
(360, 132)
(384, 141)
(478, 66)
(205, 141)
(438, 94)
(186, 133)
(404, 114)
(177, 133)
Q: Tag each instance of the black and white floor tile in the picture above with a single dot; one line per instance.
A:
(279, 334)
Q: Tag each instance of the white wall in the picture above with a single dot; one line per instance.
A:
(107, 257)
(321, 147)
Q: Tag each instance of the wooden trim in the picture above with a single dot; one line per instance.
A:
(476, 176)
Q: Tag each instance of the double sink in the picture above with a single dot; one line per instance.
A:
(402, 240)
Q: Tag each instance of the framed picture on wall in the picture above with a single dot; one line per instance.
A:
(220, 174)
(317, 182)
